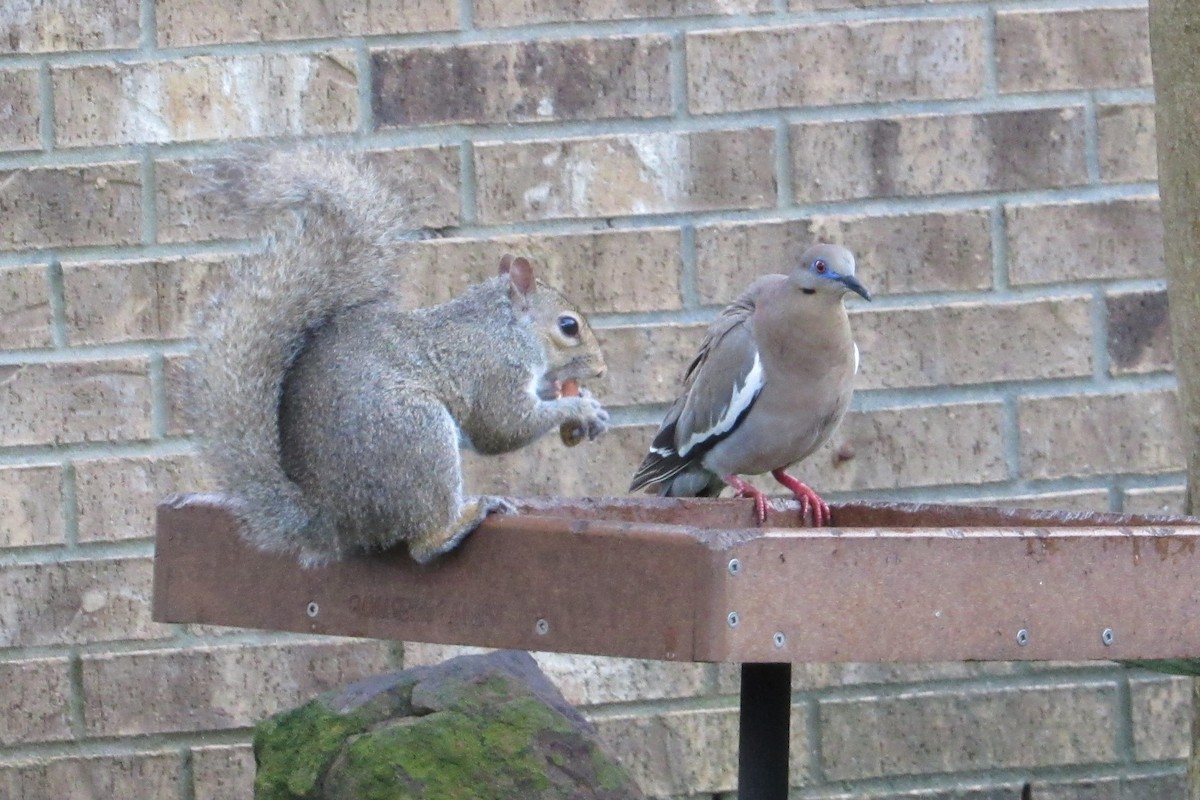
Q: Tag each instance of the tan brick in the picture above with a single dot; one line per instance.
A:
(504, 13)
(646, 362)
(1171, 500)
(206, 97)
(181, 23)
(609, 271)
(959, 443)
(950, 444)
(136, 776)
(547, 467)
(425, 176)
(45, 26)
(81, 402)
(1039, 51)
(31, 505)
(1162, 714)
(837, 5)
(956, 443)
(117, 497)
(1101, 434)
(690, 752)
(957, 343)
(1084, 241)
(19, 113)
(527, 81)
(619, 175)
(677, 752)
(210, 688)
(120, 301)
(1127, 143)
(590, 680)
(73, 602)
(1078, 500)
(962, 791)
(928, 732)
(223, 772)
(1154, 787)
(895, 255)
(188, 213)
(806, 677)
(70, 206)
(742, 70)
(25, 316)
(34, 704)
(923, 155)
(1139, 332)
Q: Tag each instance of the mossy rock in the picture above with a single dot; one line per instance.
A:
(488, 727)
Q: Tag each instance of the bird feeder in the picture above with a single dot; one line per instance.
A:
(695, 580)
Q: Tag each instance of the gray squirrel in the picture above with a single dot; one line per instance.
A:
(334, 414)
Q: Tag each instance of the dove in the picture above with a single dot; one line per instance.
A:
(772, 381)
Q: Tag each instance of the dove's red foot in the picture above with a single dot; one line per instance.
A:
(807, 497)
(744, 489)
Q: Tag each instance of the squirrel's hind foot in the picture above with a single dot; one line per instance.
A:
(428, 545)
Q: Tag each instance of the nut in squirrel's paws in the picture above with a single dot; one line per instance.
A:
(593, 421)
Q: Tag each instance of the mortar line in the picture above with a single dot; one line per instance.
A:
(148, 23)
(46, 105)
(149, 195)
(468, 184)
(689, 276)
(679, 76)
(187, 774)
(784, 197)
(159, 402)
(1126, 746)
(1091, 138)
(70, 490)
(366, 88)
(57, 296)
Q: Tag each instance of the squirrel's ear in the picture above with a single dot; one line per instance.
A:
(519, 271)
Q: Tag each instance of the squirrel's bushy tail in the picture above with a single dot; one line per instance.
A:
(334, 232)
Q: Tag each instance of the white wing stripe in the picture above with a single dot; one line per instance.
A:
(743, 396)
(855, 357)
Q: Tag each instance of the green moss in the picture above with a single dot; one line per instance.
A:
(451, 755)
(608, 776)
(294, 749)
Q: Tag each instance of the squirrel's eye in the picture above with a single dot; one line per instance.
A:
(820, 266)
(568, 325)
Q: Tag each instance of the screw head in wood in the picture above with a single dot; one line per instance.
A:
(735, 566)
(1108, 637)
(733, 619)
(1022, 637)
(541, 627)
(313, 609)
(778, 639)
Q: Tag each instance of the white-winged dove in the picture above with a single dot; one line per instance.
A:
(772, 380)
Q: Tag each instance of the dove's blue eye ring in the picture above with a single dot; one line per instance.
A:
(820, 266)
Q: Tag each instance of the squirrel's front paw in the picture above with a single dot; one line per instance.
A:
(590, 414)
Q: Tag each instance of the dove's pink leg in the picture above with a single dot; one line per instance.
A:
(744, 489)
(807, 497)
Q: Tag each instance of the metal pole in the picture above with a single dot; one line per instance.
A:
(763, 731)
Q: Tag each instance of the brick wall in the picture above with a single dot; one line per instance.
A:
(992, 164)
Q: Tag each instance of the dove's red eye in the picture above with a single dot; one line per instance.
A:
(820, 266)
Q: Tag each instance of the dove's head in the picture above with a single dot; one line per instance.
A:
(827, 269)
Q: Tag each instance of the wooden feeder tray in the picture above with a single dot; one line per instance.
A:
(694, 580)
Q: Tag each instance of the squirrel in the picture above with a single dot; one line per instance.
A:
(333, 414)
